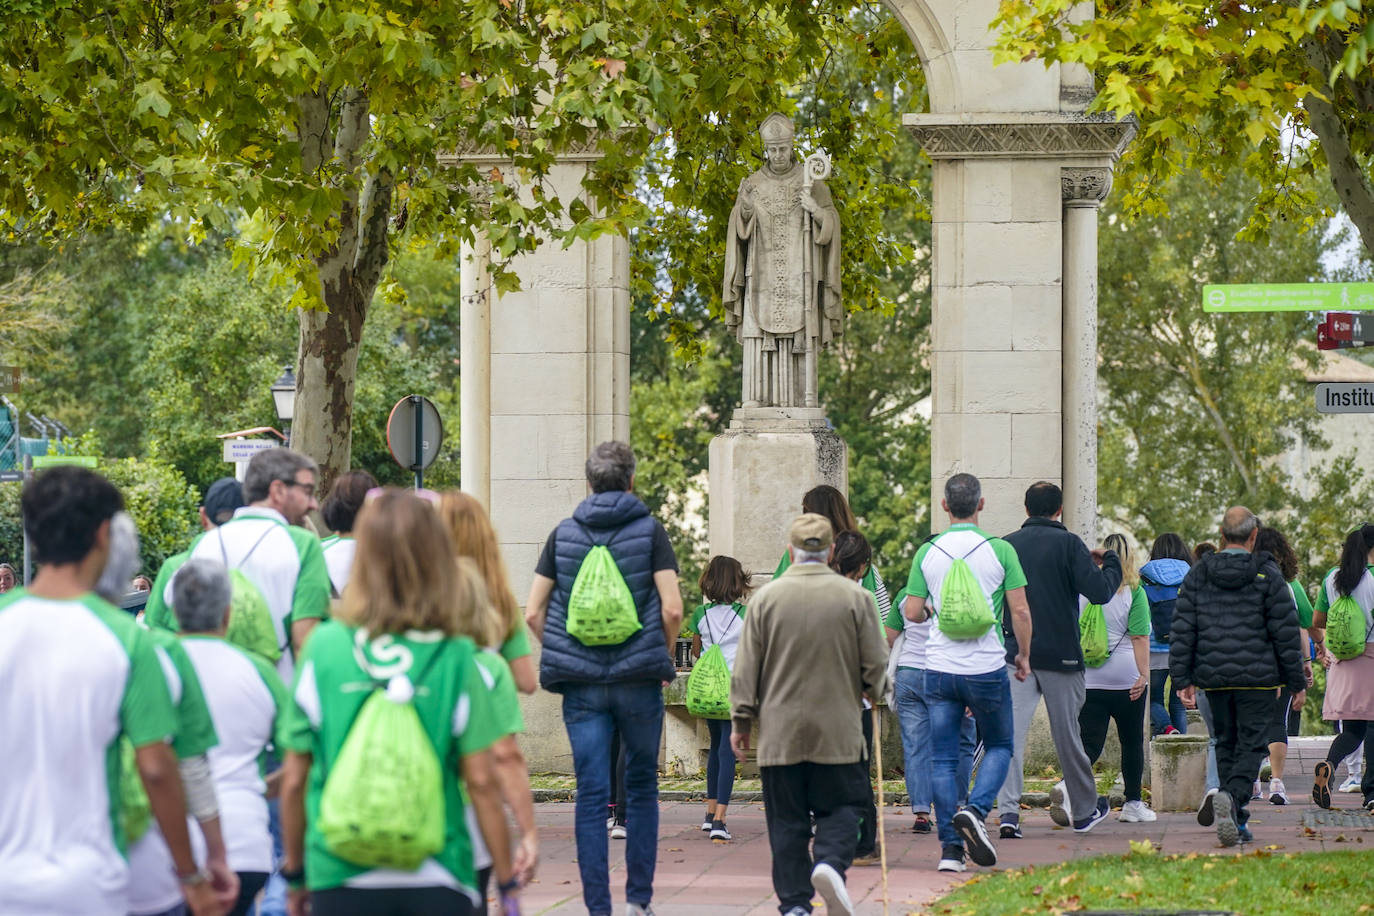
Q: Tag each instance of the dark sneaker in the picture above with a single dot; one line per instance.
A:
(1228, 834)
(1098, 816)
(951, 859)
(828, 883)
(1369, 806)
(1245, 835)
(921, 824)
(1010, 830)
(1321, 784)
(798, 911)
(718, 831)
(1205, 814)
(864, 860)
(974, 833)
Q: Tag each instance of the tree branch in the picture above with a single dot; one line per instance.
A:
(1351, 184)
(312, 129)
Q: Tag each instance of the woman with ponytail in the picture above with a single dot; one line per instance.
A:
(1349, 683)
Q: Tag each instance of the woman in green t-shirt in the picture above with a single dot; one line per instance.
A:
(397, 621)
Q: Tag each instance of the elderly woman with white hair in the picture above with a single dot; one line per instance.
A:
(246, 697)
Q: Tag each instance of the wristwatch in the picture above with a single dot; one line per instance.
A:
(506, 887)
(294, 878)
(194, 879)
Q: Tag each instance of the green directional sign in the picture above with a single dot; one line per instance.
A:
(48, 461)
(1288, 297)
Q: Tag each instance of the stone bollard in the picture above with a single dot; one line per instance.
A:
(1178, 772)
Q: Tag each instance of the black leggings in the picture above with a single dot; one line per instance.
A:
(1102, 706)
(390, 901)
(1352, 733)
(250, 882)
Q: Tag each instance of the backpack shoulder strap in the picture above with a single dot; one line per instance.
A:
(224, 553)
(975, 548)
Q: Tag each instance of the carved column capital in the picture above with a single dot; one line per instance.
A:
(1085, 187)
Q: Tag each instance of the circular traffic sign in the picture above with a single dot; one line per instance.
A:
(413, 429)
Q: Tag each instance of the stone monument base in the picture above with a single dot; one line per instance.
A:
(760, 468)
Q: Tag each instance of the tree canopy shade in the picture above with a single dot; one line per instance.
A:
(319, 133)
(1281, 88)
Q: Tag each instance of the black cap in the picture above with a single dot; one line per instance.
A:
(224, 496)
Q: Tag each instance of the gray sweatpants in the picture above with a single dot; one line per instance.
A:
(1063, 692)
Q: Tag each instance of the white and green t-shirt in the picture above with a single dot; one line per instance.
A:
(75, 675)
(455, 706)
(338, 559)
(497, 677)
(1127, 615)
(284, 561)
(995, 565)
(719, 625)
(246, 700)
(1363, 595)
(913, 655)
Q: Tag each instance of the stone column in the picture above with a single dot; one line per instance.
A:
(475, 366)
(998, 330)
(1084, 189)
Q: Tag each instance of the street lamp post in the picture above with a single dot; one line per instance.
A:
(284, 398)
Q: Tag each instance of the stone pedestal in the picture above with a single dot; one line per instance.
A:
(1178, 772)
(760, 468)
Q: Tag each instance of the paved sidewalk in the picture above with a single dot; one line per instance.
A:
(696, 877)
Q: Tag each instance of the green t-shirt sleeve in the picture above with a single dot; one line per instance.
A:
(294, 730)
(894, 619)
(268, 672)
(694, 625)
(916, 580)
(478, 722)
(1138, 618)
(158, 613)
(517, 645)
(783, 563)
(195, 729)
(145, 712)
(311, 598)
(1303, 602)
(1006, 555)
(1323, 604)
(502, 687)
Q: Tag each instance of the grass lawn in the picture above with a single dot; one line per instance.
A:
(1258, 884)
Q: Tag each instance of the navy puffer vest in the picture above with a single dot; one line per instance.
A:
(621, 523)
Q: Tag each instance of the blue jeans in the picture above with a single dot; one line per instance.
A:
(590, 713)
(1160, 718)
(720, 762)
(988, 696)
(914, 717)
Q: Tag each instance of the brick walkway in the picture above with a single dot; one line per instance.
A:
(696, 877)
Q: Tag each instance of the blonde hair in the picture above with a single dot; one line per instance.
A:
(475, 538)
(475, 615)
(403, 577)
(1130, 569)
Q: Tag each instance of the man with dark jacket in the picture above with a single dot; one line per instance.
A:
(616, 688)
(1235, 634)
(1058, 567)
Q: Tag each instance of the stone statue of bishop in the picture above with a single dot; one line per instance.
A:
(782, 271)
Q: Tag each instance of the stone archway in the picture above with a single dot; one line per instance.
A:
(1018, 174)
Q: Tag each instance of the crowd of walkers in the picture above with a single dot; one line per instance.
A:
(330, 726)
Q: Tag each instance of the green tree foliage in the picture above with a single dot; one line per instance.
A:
(1197, 408)
(1279, 88)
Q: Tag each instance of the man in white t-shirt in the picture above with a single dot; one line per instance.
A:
(265, 542)
(76, 676)
(968, 673)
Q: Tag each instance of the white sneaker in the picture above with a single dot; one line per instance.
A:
(635, 909)
(1059, 805)
(1277, 794)
(1257, 792)
(830, 886)
(618, 832)
(1136, 812)
(1351, 784)
(952, 860)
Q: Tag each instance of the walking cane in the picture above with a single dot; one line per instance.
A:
(878, 759)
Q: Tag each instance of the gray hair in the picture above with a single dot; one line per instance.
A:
(610, 466)
(810, 556)
(200, 596)
(962, 493)
(1238, 524)
(273, 464)
(122, 562)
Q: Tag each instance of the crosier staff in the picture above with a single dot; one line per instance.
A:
(815, 168)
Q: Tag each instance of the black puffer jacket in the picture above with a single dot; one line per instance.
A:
(1236, 625)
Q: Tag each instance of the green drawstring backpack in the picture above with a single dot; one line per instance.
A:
(383, 801)
(250, 619)
(964, 612)
(601, 610)
(1346, 632)
(1092, 634)
(134, 808)
(708, 684)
